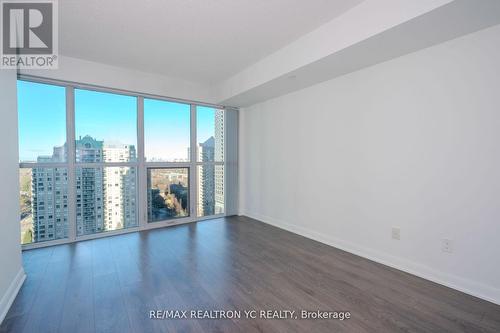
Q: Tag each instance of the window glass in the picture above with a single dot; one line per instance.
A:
(105, 127)
(166, 131)
(42, 122)
(106, 199)
(105, 195)
(210, 134)
(43, 202)
(210, 189)
(168, 193)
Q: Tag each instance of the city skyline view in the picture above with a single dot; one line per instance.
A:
(105, 197)
(106, 131)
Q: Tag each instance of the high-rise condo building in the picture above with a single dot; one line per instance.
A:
(105, 196)
(219, 156)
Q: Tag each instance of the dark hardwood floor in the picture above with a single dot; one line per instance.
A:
(111, 284)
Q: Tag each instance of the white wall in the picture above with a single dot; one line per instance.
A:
(413, 143)
(11, 271)
(89, 72)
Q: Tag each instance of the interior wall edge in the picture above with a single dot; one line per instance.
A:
(11, 293)
(466, 286)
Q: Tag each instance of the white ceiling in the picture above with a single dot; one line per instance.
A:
(203, 41)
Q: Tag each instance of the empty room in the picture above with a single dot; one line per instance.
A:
(250, 166)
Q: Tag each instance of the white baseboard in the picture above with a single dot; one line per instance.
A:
(11, 293)
(467, 286)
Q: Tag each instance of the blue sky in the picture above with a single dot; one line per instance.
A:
(166, 130)
(104, 116)
(107, 117)
(42, 119)
(205, 118)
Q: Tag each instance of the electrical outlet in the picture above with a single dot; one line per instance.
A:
(396, 233)
(447, 245)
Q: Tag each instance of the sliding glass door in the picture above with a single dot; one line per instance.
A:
(93, 161)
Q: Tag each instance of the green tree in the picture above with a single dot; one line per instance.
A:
(27, 237)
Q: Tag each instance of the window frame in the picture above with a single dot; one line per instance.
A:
(140, 164)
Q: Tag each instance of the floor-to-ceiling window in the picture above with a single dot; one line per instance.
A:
(94, 161)
(106, 161)
(43, 173)
(210, 160)
(167, 146)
